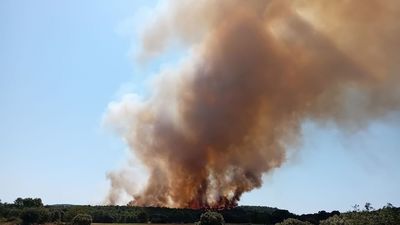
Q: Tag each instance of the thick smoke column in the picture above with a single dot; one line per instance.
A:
(257, 69)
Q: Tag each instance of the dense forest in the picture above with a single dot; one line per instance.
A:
(33, 211)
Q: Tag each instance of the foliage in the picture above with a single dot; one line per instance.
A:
(29, 210)
(82, 219)
(317, 217)
(28, 202)
(334, 220)
(35, 215)
(388, 215)
(71, 212)
(104, 217)
(280, 215)
(56, 215)
(141, 217)
(211, 218)
(292, 221)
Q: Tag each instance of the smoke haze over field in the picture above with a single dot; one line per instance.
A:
(256, 70)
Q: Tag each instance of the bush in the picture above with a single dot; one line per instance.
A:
(158, 218)
(141, 217)
(128, 219)
(334, 220)
(35, 215)
(82, 219)
(211, 218)
(99, 216)
(292, 221)
(28, 202)
(386, 216)
(280, 215)
(12, 212)
(55, 216)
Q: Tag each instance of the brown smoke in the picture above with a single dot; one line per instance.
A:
(257, 70)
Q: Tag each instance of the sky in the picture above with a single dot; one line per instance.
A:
(63, 62)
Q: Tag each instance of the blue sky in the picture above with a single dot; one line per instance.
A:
(62, 62)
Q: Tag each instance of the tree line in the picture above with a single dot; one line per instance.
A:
(33, 211)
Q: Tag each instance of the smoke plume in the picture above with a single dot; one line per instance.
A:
(256, 70)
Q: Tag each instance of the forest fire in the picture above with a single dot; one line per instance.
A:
(256, 70)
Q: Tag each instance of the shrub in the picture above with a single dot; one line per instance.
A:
(55, 215)
(280, 215)
(292, 221)
(334, 220)
(12, 212)
(35, 215)
(82, 219)
(128, 219)
(100, 216)
(141, 217)
(158, 218)
(386, 216)
(211, 218)
(28, 202)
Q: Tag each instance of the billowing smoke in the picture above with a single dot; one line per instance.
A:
(256, 70)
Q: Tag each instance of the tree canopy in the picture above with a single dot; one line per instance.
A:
(82, 219)
(31, 211)
(211, 218)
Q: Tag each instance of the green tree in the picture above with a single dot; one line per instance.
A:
(292, 221)
(211, 218)
(82, 219)
(280, 215)
(141, 216)
(384, 216)
(19, 202)
(334, 220)
(71, 212)
(368, 206)
(35, 215)
(389, 215)
(28, 202)
(55, 215)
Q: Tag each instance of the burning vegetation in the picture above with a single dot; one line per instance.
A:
(256, 70)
